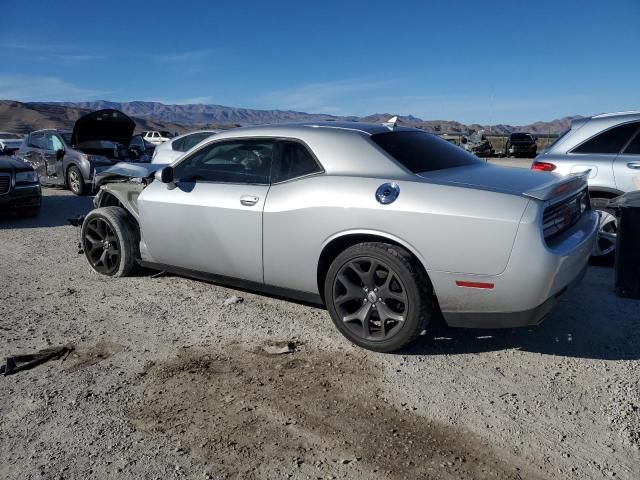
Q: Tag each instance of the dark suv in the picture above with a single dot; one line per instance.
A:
(521, 144)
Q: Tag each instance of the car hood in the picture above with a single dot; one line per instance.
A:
(8, 164)
(125, 170)
(107, 124)
(511, 180)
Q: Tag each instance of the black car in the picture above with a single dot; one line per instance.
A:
(19, 187)
(521, 144)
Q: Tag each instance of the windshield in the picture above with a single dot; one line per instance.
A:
(423, 152)
(9, 136)
(521, 136)
(165, 134)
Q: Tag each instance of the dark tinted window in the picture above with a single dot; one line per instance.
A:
(422, 152)
(240, 161)
(634, 147)
(521, 137)
(293, 160)
(609, 141)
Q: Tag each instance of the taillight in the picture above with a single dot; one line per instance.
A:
(543, 167)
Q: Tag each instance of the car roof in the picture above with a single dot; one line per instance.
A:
(59, 130)
(298, 128)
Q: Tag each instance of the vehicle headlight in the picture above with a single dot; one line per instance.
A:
(27, 177)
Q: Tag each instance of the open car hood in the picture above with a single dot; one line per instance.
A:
(123, 171)
(108, 124)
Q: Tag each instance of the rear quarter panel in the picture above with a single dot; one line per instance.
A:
(453, 229)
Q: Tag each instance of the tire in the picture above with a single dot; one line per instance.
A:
(75, 181)
(396, 273)
(110, 241)
(605, 250)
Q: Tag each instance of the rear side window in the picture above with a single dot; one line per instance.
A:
(610, 141)
(293, 160)
(423, 152)
(634, 147)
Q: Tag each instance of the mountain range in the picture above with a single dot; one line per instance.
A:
(23, 117)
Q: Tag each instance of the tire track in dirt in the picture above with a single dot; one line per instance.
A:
(248, 415)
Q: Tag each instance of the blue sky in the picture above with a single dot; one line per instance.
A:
(487, 62)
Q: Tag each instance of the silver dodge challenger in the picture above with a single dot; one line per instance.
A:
(388, 227)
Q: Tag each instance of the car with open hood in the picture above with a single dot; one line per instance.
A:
(388, 227)
(70, 158)
(521, 144)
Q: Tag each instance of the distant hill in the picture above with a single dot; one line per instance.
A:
(25, 117)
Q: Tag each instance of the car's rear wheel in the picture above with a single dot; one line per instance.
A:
(75, 180)
(378, 296)
(605, 248)
(110, 241)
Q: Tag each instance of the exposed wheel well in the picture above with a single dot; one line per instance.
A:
(109, 200)
(338, 245)
(596, 193)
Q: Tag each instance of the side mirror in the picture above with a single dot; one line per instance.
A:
(164, 175)
(59, 154)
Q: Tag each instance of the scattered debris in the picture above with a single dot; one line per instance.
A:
(233, 300)
(158, 274)
(280, 348)
(17, 363)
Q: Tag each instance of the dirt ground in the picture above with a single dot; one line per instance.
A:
(168, 381)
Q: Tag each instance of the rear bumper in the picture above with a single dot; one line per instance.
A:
(536, 276)
(22, 197)
(524, 318)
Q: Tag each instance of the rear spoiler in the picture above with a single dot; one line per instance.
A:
(571, 183)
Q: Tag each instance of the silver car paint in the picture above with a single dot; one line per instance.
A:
(610, 173)
(474, 224)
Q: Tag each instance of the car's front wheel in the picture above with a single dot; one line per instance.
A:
(75, 180)
(378, 296)
(110, 241)
(605, 248)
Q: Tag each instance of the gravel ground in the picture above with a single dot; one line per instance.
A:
(169, 380)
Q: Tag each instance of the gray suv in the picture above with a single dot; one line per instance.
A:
(609, 146)
(71, 158)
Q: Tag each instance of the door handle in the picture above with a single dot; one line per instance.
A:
(248, 200)
(634, 165)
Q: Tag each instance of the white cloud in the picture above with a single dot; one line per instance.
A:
(32, 89)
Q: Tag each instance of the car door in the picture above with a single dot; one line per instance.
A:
(210, 218)
(626, 167)
(31, 153)
(53, 154)
(600, 152)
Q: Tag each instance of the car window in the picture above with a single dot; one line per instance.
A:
(634, 147)
(57, 143)
(36, 140)
(292, 160)
(422, 152)
(239, 161)
(189, 141)
(610, 141)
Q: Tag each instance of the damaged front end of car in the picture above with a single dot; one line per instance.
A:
(121, 184)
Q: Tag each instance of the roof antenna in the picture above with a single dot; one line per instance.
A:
(391, 123)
